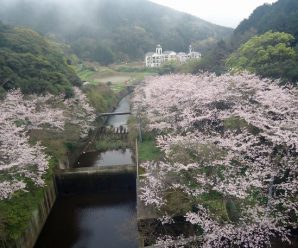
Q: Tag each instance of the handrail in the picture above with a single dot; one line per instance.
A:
(137, 158)
(114, 113)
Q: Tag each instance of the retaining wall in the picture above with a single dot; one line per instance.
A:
(38, 219)
(96, 179)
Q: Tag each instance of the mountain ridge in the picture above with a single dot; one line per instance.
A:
(126, 28)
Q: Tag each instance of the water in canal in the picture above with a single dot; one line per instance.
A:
(113, 157)
(120, 120)
(95, 220)
(91, 221)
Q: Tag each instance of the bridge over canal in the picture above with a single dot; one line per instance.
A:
(113, 113)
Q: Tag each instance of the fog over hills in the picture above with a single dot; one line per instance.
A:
(123, 29)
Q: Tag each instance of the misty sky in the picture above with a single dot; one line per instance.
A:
(223, 12)
(227, 13)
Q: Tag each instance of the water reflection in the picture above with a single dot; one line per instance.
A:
(120, 120)
(113, 157)
(92, 221)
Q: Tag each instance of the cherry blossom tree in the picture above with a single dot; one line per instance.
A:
(81, 112)
(21, 161)
(236, 135)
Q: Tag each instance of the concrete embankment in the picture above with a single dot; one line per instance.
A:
(96, 179)
(73, 181)
(38, 219)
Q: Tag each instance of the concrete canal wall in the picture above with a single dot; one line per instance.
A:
(38, 219)
(75, 181)
(96, 179)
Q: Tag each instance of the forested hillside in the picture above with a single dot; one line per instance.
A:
(268, 55)
(32, 63)
(265, 44)
(108, 31)
(281, 16)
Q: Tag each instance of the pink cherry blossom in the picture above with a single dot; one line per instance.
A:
(242, 128)
(20, 160)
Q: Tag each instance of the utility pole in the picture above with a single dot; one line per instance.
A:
(139, 126)
(4, 82)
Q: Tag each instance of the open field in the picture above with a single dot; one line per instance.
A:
(117, 76)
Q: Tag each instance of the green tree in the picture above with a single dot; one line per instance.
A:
(167, 68)
(33, 63)
(103, 55)
(212, 61)
(268, 55)
(281, 16)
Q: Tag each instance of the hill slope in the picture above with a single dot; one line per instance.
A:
(124, 28)
(281, 16)
(32, 63)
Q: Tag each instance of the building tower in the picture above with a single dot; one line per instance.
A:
(190, 48)
(159, 49)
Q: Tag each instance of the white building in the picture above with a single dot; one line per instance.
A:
(158, 58)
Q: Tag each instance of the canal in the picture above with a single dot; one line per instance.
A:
(92, 218)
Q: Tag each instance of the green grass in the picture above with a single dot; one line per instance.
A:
(178, 203)
(85, 74)
(112, 142)
(117, 79)
(216, 204)
(136, 69)
(105, 145)
(57, 144)
(118, 87)
(236, 123)
(100, 96)
(148, 151)
(15, 213)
